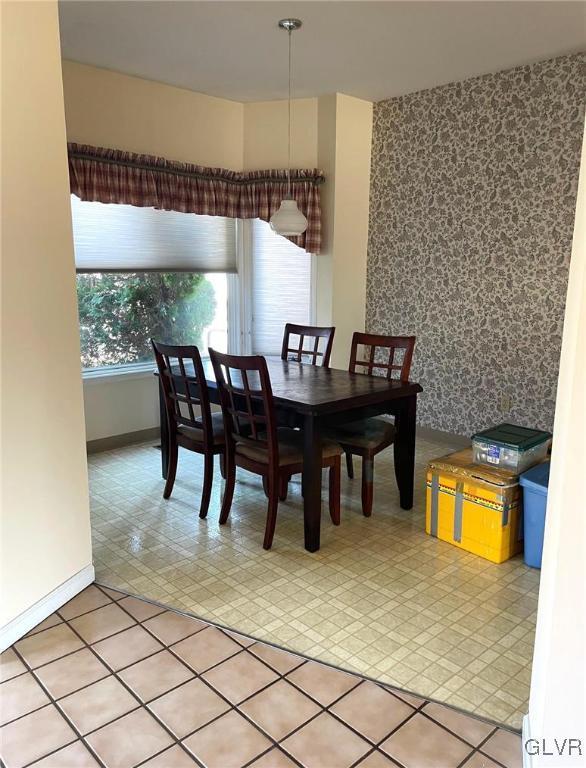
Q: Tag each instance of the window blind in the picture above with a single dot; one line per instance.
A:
(281, 288)
(125, 238)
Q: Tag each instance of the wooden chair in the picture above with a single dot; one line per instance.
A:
(189, 417)
(367, 437)
(303, 354)
(255, 442)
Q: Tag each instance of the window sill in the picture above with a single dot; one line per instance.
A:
(112, 372)
(118, 372)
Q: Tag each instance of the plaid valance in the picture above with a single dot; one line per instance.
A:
(112, 176)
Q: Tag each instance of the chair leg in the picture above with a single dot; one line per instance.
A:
(349, 465)
(367, 485)
(271, 512)
(228, 490)
(283, 488)
(171, 469)
(223, 465)
(208, 478)
(334, 492)
(265, 485)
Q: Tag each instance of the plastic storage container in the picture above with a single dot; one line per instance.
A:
(510, 447)
(474, 507)
(534, 484)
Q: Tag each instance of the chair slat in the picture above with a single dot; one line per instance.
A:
(182, 381)
(377, 346)
(313, 352)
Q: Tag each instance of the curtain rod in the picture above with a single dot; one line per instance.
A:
(191, 174)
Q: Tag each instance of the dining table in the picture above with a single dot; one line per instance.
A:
(316, 397)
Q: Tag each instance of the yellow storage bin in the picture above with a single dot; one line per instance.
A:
(475, 507)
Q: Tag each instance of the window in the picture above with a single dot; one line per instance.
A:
(124, 238)
(281, 288)
(120, 312)
(146, 273)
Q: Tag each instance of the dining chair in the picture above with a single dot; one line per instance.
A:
(317, 348)
(191, 423)
(373, 355)
(256, 443)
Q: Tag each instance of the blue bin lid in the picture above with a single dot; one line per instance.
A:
(536, 478)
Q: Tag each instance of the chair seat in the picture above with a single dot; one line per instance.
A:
(290, 449)
(364, 433)
(197, 434)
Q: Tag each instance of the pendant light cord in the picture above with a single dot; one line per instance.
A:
(289, 126)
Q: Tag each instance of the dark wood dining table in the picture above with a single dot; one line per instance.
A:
(315, 397)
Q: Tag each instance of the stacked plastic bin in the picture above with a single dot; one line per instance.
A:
(474, 497)
(534, 483)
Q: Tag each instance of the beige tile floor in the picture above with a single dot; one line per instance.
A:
(111, 681)
(380, 598)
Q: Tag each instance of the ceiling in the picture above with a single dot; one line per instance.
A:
(372, 50)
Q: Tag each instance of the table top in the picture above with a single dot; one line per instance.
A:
(312, 388)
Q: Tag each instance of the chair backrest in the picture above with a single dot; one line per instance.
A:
(320, 344)
(246, 397)
(185, 388)
(371, 353)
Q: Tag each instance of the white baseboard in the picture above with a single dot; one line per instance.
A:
(525, 735)
(44, 607)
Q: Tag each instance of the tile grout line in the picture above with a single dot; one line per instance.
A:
(280, 676)
(388, 688)
(484, 754)
(225, 629)
(132, 693)
(449, 730)
(326, 708)
(71, 724)
(199, 676)
(486, 738)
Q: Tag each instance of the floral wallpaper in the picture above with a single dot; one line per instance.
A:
(473, 191)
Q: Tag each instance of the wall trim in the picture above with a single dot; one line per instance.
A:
(153, 433)
(119, 441)
(44, 607)
(429, 433)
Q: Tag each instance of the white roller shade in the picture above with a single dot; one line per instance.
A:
(124, 238)
(281, 288)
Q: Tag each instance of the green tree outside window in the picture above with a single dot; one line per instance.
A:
(120, 312)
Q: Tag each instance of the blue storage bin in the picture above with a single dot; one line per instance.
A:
(534, 483)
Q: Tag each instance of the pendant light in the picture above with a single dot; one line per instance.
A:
(289, 220)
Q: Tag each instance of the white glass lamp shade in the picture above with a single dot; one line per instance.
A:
(288, 220)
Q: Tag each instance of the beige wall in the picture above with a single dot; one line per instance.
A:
(108, 109)
(265, 134)
(45, 535)
(345, 136)
(333, 133)
(120, 404)
(326, 160)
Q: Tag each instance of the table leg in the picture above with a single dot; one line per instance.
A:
(404, 450)
(311, 482)
(164, 433)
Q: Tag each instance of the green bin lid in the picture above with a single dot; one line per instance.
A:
(513, 436)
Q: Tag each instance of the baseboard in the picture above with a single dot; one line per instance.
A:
(428, 433)
(119, 441)
(44, 607)
(525, 736)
